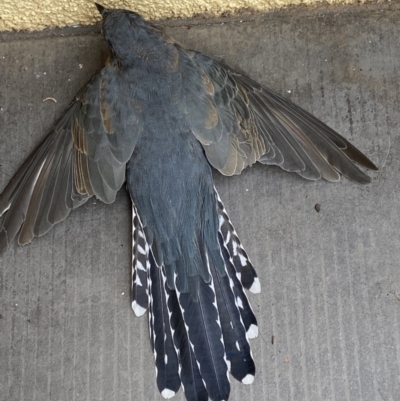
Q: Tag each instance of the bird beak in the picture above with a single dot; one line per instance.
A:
(100, 8)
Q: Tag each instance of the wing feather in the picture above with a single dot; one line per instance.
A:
(84, 155)
(252, 123)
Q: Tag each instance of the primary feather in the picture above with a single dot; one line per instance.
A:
(160, 117)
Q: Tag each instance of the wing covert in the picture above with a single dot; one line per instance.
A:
(239, 122)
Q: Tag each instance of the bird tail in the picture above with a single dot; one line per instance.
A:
(198, 336)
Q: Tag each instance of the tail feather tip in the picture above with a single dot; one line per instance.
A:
(256, 286)
(167, 393)
(248, 379)
(252, 332)
(137, 309)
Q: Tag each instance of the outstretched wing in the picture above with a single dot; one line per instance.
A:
(239, 122)
(83, 156)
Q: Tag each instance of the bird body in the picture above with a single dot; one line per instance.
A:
(168, 175)
(160, 117)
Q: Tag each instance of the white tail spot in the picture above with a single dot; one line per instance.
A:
(243, 260)
(167, 393)
(140, 266)
(256, 286)
(252, 332)
(139, 310)
(137, 281)
(248, 379)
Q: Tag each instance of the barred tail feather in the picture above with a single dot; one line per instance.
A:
(140, 265)
(166, 359)
(247, 315)
(189, 372)
(238, 256)
(237, 347)
(200, 334)
(200, 314)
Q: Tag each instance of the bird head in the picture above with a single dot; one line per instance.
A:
(129, 36)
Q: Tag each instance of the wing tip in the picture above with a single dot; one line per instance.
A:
(367, 163)
(363, 179)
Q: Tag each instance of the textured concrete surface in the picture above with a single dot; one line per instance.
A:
(330, 280)
(39, 14)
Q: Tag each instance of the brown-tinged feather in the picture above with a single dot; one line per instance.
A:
(105, 110)
(85, 174)
(207, 84)
(212, 118)
(231, 161)
(77, 173)
(26, 235)
(174, 62)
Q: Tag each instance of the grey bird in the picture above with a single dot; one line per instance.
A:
(159, 118)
